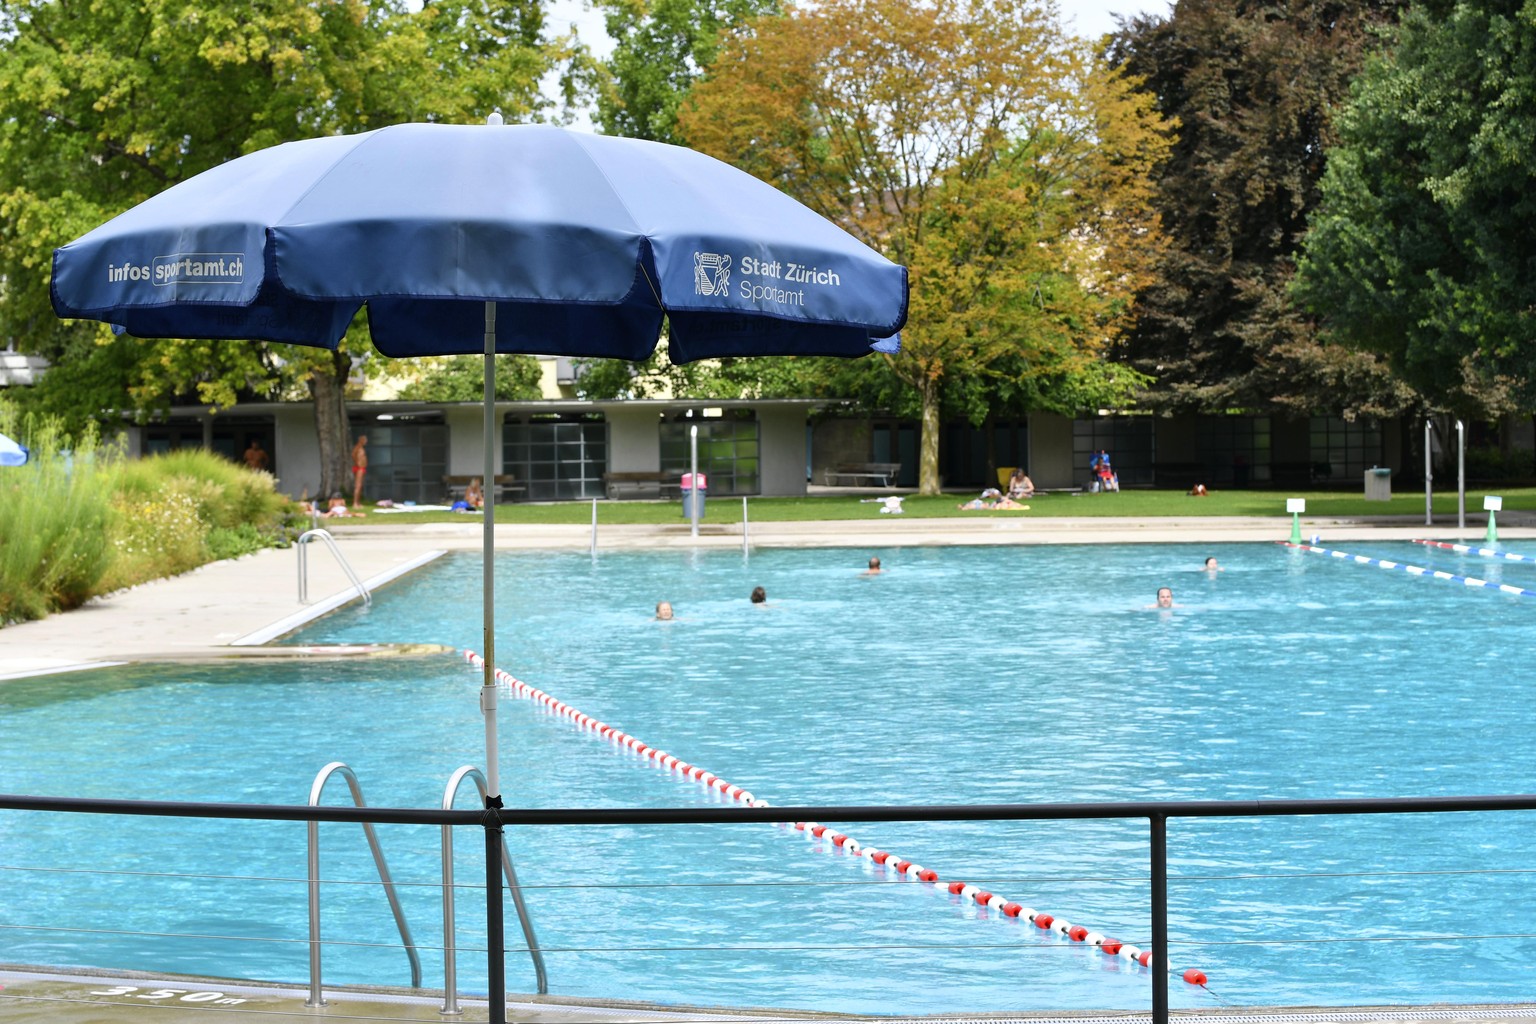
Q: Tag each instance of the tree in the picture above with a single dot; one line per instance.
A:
(1252, 85)
(105, 104)
(1420, 250)
(462, 379)
(661, 46)
(973, 141)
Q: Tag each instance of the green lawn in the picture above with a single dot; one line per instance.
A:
(1137, 503)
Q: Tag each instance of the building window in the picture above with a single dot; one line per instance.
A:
(1233, 451)
(728, 451)
(963, 452)
(1129, 441)
(557, 457)
(1343, 451)
(407, 458)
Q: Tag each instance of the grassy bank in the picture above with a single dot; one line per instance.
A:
(80, 520)
(1139, 504)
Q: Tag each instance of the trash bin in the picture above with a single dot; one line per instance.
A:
(1378, 484)
(692, 494)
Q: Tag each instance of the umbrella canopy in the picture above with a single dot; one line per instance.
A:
(11, 453)
(581, 241)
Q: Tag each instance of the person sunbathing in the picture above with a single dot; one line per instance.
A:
(988, 499)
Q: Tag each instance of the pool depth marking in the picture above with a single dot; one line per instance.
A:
(1412, 570)
(1469, 550)
(966, 891)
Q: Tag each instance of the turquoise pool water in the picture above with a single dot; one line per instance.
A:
(962, 675)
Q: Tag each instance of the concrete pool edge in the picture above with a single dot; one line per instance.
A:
(82, 997)
(222, 610)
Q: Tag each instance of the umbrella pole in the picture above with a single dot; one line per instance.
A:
(496, 950)
(488, 565)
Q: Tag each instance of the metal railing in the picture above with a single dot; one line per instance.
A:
(450, 943)
(494, 819)
(302, 547)
(316, 997)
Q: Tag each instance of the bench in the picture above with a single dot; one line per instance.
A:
(503, 485)
(643, 484)
(882, 473)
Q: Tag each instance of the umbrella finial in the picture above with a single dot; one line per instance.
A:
(494, 119)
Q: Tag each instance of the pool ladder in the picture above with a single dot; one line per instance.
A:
(450, 950)
(302, 546)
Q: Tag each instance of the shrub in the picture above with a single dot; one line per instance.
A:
(53, 544)
(80, 520)
(1492, 464)
(176, 511)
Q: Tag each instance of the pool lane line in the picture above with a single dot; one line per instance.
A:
(906, 868)
(1467, 549)
(1412, 570)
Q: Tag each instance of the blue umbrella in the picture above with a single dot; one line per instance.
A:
(11, 453)
(462, 239)
(580, 241)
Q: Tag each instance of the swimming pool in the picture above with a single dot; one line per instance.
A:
(962, 675)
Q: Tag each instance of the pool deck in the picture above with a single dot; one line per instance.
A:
(86, 998)
(96, 998)
(234, 609)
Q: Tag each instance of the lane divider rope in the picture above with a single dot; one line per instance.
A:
(1469, 550)
(905, 868)
(1412, 570)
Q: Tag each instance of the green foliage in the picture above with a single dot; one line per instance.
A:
(1421, 249)
(1253, 86)
(53, 547)
(1496, 464)
(660, 47)
(105, 104)
(80, 520)
(462, 379)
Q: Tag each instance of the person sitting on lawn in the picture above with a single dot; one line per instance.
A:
(337, 508)
(1020, 485)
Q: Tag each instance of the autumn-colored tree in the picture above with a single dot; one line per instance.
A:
(974, 141)
(104, 104)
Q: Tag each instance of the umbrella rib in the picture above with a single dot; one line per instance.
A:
(619, 198)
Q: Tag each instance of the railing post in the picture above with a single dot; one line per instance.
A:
(1159, 846)
(495, 926)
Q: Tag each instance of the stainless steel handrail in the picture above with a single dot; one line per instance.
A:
(302, 545)
(316, 998)
(450, 941)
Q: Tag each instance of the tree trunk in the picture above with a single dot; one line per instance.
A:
(328, 387)
(989, 445)
(928, 457)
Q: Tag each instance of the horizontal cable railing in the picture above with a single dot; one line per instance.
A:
(1155, 813)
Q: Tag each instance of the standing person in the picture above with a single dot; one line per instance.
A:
(359, 468)
(256, 457)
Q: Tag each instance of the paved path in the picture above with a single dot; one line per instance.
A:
(233, 608)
